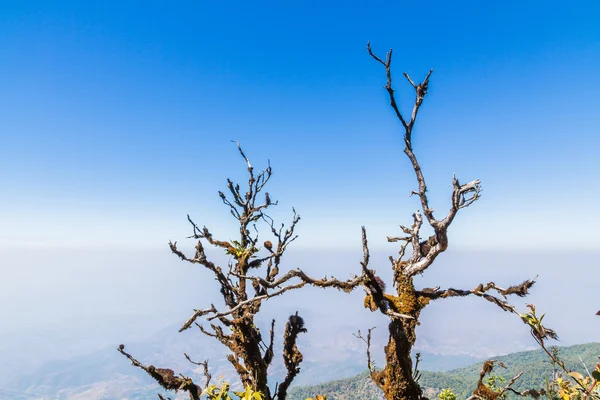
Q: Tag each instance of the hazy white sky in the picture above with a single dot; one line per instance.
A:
(59, 303)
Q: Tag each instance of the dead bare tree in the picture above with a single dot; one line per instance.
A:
(253, 276)
(403, 308)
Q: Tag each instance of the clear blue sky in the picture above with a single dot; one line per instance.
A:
(116, 120)
(116, 117)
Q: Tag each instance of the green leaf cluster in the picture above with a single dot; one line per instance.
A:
(447, 394)
(215, 392)
(238, 251)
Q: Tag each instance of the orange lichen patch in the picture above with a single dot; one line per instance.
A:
(406, 302)
(379, 378)
(370, 303)
(486, 393)
(423, 301)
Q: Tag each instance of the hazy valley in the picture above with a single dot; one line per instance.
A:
(140, 300)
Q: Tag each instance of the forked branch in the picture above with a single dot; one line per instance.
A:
(367, 340)
(204, 365)
(166, 377)
(463, 195)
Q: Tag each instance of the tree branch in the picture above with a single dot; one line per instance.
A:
(483, 392)
(197, 314)
(388, 86)
(462, 195)
(520, 290)
(370, 363)
(291, 355)
(227, 289)
(325, 282)
(204, 365)
(166, 377)
(268, 357)
(541, 333)
(374, 286)
(255, 300)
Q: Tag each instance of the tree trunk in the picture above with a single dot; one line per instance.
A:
(245, 346)
(396, 380)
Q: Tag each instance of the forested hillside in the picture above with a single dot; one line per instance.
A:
(535, 365)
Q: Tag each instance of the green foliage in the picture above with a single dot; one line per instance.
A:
(446, 394)
(579, 387)
(214, 392)
(358, 387)
(249, 394)
(238, 251)
(536, 367)
(495, 383)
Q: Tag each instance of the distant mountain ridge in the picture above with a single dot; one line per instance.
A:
(534, 364)
(107, 375)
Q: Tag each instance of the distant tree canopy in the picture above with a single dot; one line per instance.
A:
(536, 365)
